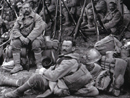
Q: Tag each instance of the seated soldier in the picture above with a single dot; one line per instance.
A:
(66, 77)
(51, 5)
(74, 6)
(27, 31)
(101, 8)
(113, 18)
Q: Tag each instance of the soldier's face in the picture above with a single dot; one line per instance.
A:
(26, 9)
(66, 47)
(112, 7)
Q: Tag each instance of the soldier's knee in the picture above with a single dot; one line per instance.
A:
(36, 45)
(35, 77)
(16, 43)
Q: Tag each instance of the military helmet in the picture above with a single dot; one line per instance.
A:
(46, 61)
(93, 56)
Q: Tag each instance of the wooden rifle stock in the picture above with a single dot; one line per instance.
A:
(74, 22)
(59, 37)
(123, 31)
(95, 20)
(55, 21)
(79, 21)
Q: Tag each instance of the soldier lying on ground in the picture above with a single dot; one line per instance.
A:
(109, 74)
(66, 77)
(27, 31)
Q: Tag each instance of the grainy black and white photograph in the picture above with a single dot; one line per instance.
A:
(64, 49)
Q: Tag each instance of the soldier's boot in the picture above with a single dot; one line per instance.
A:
(38, 60)
(84, 22)
(7, 81)
(17, 67)
(67, 21)
(18, 92)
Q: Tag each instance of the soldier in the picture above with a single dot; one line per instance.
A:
(101, 7)
(8, 16)
(27, 30)
(74, 6)
(51, 4)
(65, 78)
(113, 18)
(19, 7)
(116, 68)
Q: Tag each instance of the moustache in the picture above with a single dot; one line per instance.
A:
(64, 50)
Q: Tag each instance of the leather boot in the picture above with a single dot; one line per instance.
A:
(67, 22)
(18, 67)
(38, 60)
(18, 92)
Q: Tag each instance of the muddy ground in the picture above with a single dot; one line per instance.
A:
(82, 46)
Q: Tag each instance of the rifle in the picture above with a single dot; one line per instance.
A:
(55, 21)
(122, 33)
(79, 22)
(95, 20)
(74, 22)
(5, 43)
(48, 11)
(59, 37)
(12, 8)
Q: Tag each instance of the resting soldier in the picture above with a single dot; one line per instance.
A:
(27, 30)
(110, 72)
(74, 6)
(113, 18)
(101, 8)
(66, 77)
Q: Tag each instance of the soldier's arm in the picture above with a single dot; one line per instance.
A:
(63, 69)
(15, 33)
(114, 21)
(40, 25)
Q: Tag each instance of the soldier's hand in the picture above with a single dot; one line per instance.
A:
(26, 41)
(40, 71)
(22, 39)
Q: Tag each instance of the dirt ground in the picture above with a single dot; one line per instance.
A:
(82, 46)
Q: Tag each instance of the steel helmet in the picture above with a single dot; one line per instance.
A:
(46, 61)
(93, 56)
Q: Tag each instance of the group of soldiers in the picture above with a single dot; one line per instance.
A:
(99, 69)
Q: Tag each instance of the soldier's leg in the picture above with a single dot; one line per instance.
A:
(16, 46)
(84, 22)
(118, 76)
(36, 47)
(66, 15)
(89, 90)
(35, 81)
